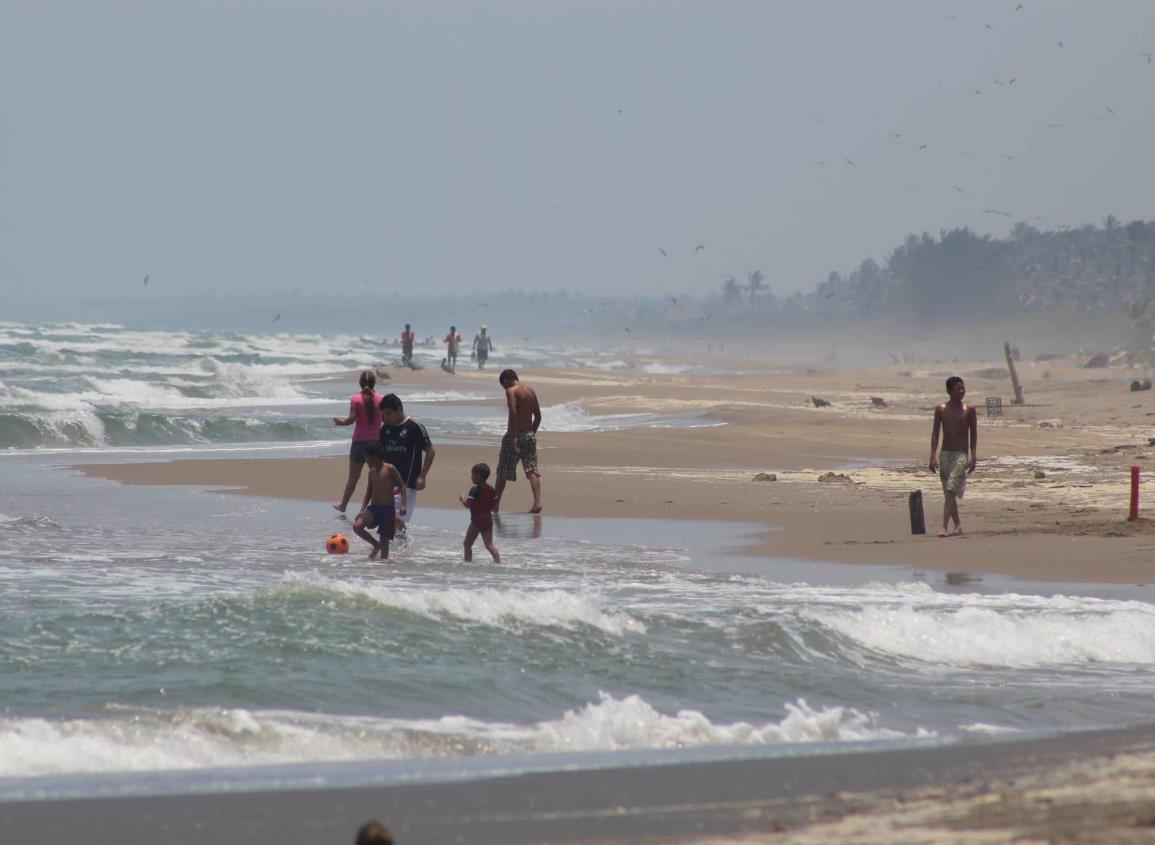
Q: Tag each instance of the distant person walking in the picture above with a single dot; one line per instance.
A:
(366, 419)
(482, 346)
(452, 345)
(520, 440)
(407, 446)
(956, 420)
(407, 337)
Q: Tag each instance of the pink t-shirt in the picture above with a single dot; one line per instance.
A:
(368, 420)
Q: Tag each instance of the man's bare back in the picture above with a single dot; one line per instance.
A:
(524, 411)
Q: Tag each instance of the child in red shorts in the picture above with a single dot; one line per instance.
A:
(480, 504)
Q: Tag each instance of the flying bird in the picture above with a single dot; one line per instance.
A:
(1110, 111)
(1018, 7)
(1011, 81)
(277, 317)
(848, 161)
(1060, 45)
(995, 211)
(673, 299)
(144, 281)
(960, 190)
(1148, 55)
(699, 247)
(663, 252)
(922, 146)
(988, 26)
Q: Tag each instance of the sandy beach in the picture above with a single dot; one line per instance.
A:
(1049, 500)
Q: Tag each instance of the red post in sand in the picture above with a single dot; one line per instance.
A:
(1134, 492)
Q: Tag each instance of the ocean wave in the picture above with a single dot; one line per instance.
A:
(1004, 631)
(90, 429)
(510, 610)
(29, 524)
(130, 740)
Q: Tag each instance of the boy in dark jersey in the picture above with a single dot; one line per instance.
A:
(407, 446)
(480, 504)
(378, 510)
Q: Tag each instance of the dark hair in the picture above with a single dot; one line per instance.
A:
(373, 447)
(482, 471)
(507, 375)
(453, 328)
(951, 382)
(390, 402)
(406, 325)
(374, 833)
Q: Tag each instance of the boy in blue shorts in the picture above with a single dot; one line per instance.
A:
(378, 509)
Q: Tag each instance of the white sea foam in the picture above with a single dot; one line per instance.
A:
(1000, 630)
(132, 740)
(510, 610)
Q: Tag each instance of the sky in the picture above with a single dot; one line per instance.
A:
(316, 146)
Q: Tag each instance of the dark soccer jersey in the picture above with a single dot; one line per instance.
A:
(404, 446)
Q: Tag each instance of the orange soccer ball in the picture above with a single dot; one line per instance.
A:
(337, 544)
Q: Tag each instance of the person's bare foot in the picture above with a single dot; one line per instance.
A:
(942, 532)
(535, 509)
(339, 509)
(373, 554)
(958, 531)
(497, 505)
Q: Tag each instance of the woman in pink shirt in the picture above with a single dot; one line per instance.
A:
(364, 413)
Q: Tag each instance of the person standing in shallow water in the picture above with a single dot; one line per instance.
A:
(482, 346)
(366, 419)
(959, 423)
(520, 440)
(407, 338)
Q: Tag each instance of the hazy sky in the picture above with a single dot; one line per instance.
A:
(430, 147)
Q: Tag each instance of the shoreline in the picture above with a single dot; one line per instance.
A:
(1064, 525)
(1093, 787)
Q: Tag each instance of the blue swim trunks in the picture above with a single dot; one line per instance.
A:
(383, 520)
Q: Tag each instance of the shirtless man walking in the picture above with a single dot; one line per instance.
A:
(520, 440)
(956, 419)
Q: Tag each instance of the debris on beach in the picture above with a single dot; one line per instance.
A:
(1040, 474)
(766, 476)
(877, 401)
(1097, 361)
(819, 403)
(1050, 423)
(836, 478)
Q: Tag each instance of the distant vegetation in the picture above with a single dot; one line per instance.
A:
(1108, 268)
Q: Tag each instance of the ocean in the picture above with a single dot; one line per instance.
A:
(166, 638)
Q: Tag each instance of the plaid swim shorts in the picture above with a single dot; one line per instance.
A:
(507, 462)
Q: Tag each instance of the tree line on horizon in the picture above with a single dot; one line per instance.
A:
(1088, 268)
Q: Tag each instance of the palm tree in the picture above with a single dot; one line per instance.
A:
(731, 290)
(755, 284)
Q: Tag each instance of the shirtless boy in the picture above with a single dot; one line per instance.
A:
(520, 440)
(956, 419)
(377, 511)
